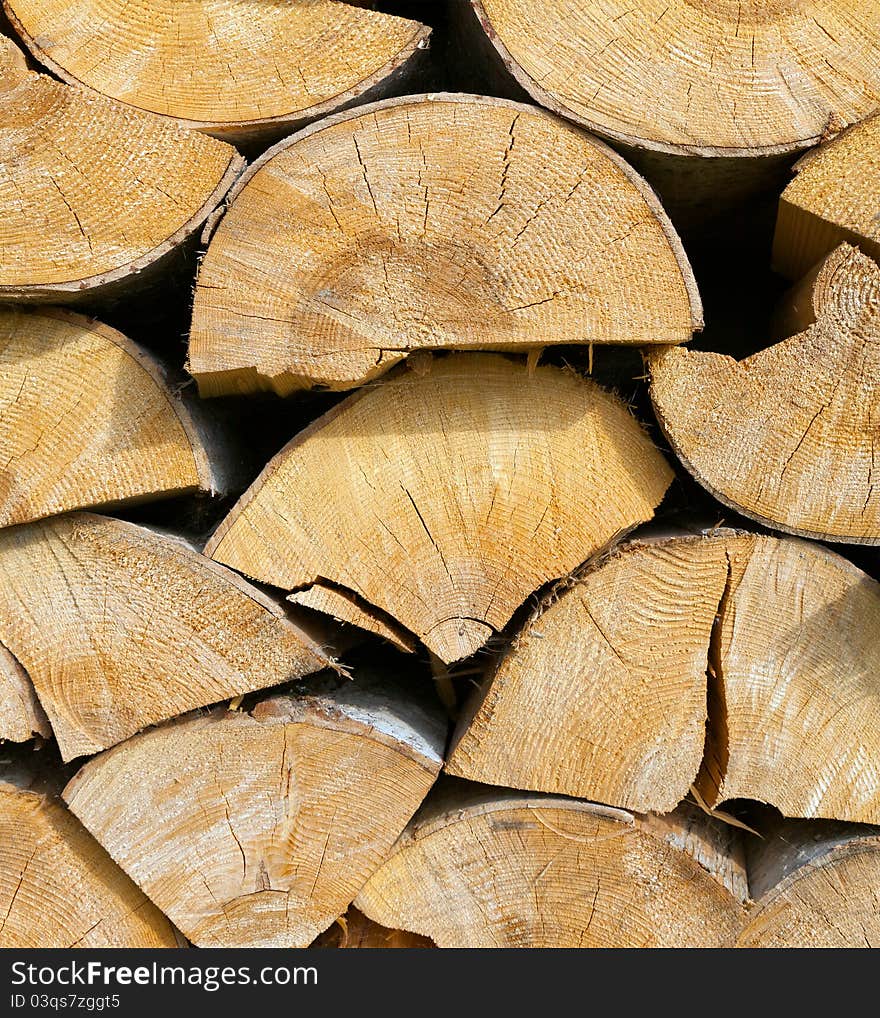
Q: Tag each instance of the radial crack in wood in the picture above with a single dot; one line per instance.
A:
(816, 886)
(833, 199)
(788, 435)
(710, 77)
(58, 887)
(236, 70)
(431, 221)
(120, 626)
(88, 418)
(94, 194)
(21, 716)
(797, 656)
(490, 868)
(445, 499)
(603, 695)
(257, 829)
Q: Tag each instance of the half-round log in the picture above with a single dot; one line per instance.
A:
(120, 626)
(445, 499)
(89, 418)
(709, 99)
(237, 71)
(257, 829)
(451, 221)
(488, 868)
(788, 435)
(96, 197)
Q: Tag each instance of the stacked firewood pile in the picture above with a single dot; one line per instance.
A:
(439, 473)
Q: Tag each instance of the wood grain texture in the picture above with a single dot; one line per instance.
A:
(119, 627)
(833, 199)
(93, 193)
(787, 436)
(491, 868)
(446, 498)
(59, 888)
(89, 418)
(257, 829)
(236, 70)
(431, 221)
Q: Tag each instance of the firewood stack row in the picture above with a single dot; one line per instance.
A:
(439, 474)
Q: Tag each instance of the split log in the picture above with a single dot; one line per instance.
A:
(787, 436)
(832, 200)
(604, 695)
(58, 887)
(445, 499)
(241, 72)
(96, 198)
(709, 100)
(355, 930)
(257, 829)
(120, 626)
(482, 867)
(431, 221)
(89, 418)
(21, 716)
(816, 886)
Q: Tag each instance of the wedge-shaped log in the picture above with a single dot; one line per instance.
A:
(701, 94)
(120, 626)
(483, 867)
(788, 435)
(58, 887)
(445, 499)
(88, 418)
(238, 71)
(21, 716)
(833, 199)
(355, 930)
(431, 221)
(604, 695)
(816, 886)
(95, 197)
(257, 829)
(343, 607)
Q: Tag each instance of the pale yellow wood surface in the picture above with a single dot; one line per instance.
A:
(834, 198)
(120, 627)
(21, 716)
(798, 658)
(787, 436)
(495, 869)
(89, 418)
(716, 77)
(817, 886)
(431, 221)
(258, 829)
(59, 888)
(603, 695)
(214, 64)
(446, 498)
(92, 191)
